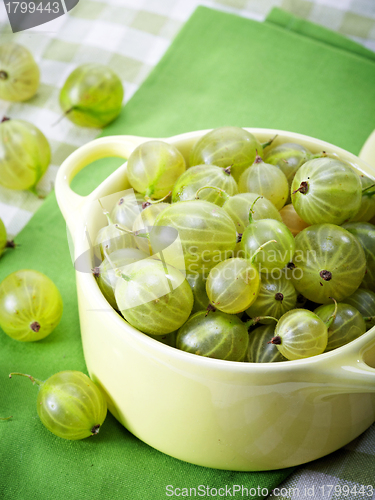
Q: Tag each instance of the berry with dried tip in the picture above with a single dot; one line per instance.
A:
(69, 404)
(30, 305)
(326, 191)
(266, 180)
(19, 73)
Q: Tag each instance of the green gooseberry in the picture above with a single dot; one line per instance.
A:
(216, 335)
(365, 233)
(227, 146)
(276, 297)
(347, 325)
(328, 262)
(154, 297)
(238, 208)
(201, 176)
(325, 190)
(154, 167)
(266, 180)
(69, 404)
(260, 349)
(364, 301)
(92, 96)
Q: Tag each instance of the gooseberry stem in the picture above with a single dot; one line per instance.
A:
(258, 159)
(220, 191)
(116, 269)
(6, 418)
(251, 211)
(369, 318)
(269, 142)
(366, 192)
(253, 321)
(106, 213)
(33, 380)
(331, 319)
(150, 201)
(323, 154)
(260, 249)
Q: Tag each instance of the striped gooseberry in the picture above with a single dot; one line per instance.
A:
(69, 404)
(266, 180)
(260, 349)
(153, 297)
(216, 335)
(328, 262)
(200, 176)
(276, 297)
(30, 305)
(325, 190)
(347, 325)
(365, 234)
(227, 146)
(154, 167)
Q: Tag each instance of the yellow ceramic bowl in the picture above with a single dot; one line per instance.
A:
(227, 415)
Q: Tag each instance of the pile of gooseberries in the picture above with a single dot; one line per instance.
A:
(92, 96)
(277, 243)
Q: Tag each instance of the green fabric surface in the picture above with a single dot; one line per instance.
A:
(220, 70)
(303, 27)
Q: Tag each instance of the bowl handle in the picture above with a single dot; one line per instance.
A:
(350, 371)
(69, 201)
(367, 152)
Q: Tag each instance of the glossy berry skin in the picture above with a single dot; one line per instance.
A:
(326, 191)
(153, 300)
(92, 96)
(24, 154)
(217, 335)
(19, 73)
(347, 325)
(288, 157)
(365, 233)
(329, 262)
(106, 274)
(199, 176)
(367, 209)
(154, 167)
(364, 301)
(292, 220)
(276, 297)
(127, 209)
(266, 180)
(238, 208)
(260, 350)
(302, 334)
(233, 285)
(207, 233)
(197, 282)
(71, 406)
(274, 255)
(30, 305)
(227, 146)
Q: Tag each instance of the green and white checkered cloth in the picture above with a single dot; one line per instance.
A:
(131, 36)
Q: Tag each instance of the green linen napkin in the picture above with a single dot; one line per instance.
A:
(220, 70)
